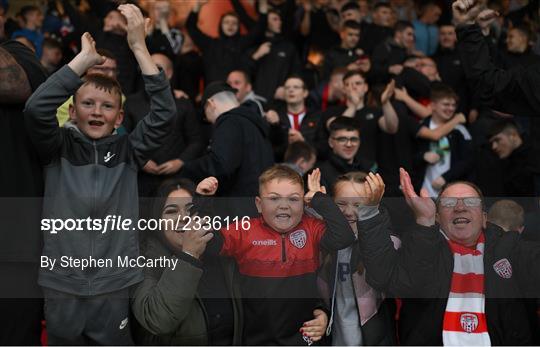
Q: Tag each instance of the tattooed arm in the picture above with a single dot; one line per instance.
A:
(14, 84)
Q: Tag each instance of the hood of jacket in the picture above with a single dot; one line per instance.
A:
(248, 110)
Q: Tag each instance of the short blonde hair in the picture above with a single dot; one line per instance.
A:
(280, 172)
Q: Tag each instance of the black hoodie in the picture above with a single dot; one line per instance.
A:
(272, 70)
(239, 152)
(220, 55)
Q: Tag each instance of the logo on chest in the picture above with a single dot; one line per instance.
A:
(298, 238)
(503, 268)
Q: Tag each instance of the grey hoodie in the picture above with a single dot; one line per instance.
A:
(92, 178)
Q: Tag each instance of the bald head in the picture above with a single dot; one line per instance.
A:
(165, 63)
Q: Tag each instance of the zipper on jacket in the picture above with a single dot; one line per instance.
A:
(283, 253)
(92, 234)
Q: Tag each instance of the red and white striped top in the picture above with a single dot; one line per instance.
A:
(465, 319)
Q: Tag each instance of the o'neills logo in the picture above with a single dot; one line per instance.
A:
(298, 238)
(469, 322)
(264, 243)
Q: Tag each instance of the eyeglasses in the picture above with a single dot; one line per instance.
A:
(452, 202)
(343, 140)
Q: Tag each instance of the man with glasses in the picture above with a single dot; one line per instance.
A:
(462, 279)
(344, 141)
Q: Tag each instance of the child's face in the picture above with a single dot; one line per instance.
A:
(96, 112)
(349, 196)
(281, 204)
(444, 109)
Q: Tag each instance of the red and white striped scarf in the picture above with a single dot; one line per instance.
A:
(465, 319)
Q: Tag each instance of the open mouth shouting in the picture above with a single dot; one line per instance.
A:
(461, 221)
(96, 123)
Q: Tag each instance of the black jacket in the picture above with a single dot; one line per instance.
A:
(336, 166)
(519, 170)
(21, 174)
(372, 34)
(272, 70)
(420, 273)
(240, 151)
(452, 73)
(220, 55)
(279, 133)
(129, 75)
(337, 57)
(184, 141)
(516, 89)
(385, 54)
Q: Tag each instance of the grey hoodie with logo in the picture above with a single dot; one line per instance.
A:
(87, 178)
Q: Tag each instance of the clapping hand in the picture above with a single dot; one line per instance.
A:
(374, 187)
(422, 206)
(314, 185)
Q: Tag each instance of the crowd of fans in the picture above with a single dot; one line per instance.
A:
(420, 93)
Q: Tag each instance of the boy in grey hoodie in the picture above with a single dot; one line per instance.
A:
(91, 173)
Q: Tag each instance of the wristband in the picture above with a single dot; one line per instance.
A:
(190, 254)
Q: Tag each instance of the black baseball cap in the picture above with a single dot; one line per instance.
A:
(214, 88)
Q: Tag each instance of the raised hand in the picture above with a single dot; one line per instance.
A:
(388, 92)
(195, 240)
(208, 186)
(88, 49)
(485, 18)
(87, 57)
(465, 11)
(401, 93)
(314, 185)
(136, 26)
(374, 187)
(422, 206)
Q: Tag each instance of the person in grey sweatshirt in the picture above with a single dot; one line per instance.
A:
(91, 177)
